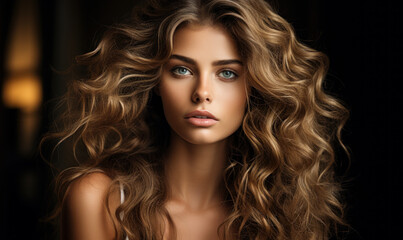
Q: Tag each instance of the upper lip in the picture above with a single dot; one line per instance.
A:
(200, 113)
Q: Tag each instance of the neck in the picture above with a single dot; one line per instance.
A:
(194, 173)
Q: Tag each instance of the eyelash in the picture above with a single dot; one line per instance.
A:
(175, 72)
(234, 75)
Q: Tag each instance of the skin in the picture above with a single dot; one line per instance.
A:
(84, 214)
(205, 72)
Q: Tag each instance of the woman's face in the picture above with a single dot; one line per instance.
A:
(202, 86)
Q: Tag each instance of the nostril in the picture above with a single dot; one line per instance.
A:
(198, 98)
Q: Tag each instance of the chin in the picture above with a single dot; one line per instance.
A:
(202, 138)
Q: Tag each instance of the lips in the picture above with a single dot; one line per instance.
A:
(200, 118)
(201, 114)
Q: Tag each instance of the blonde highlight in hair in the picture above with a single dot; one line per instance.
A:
(280, 179)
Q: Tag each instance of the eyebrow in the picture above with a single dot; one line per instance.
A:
(215, 63)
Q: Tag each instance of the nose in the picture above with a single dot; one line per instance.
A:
(203, 90)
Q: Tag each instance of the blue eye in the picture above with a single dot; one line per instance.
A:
(228, 74)
(181, 71)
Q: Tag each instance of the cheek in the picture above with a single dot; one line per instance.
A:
(235, 100)
(172, 96)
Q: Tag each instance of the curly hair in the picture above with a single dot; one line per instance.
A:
(280, 179)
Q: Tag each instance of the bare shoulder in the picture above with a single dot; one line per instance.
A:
(85, 213)
(89, 188)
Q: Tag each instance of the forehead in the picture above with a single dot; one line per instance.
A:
(197, 41)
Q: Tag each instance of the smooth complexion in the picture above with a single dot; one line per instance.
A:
(204, 73)
(203, 92)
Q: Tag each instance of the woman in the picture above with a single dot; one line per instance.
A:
(202, 120)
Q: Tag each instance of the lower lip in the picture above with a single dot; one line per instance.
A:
(201, 122)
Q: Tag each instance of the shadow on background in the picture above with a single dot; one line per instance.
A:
(38, 37)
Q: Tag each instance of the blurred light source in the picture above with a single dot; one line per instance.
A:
(23, 92)
(22, 87)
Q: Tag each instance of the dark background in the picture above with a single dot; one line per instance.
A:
(360, 38)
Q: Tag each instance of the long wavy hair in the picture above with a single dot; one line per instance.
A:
(279, 177)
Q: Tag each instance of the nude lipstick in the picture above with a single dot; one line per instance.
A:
(201, 118)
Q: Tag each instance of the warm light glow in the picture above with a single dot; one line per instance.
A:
(24, 92)
(22, 51)
(22, 86)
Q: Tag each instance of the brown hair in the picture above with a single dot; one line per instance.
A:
(280, 178)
